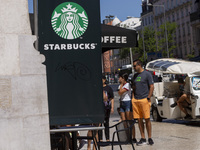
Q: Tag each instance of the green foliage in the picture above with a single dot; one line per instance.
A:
(150, 42)
(124, 53)
(189, 56)
(149, 39)
(171, 29)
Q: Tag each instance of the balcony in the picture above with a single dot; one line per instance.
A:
(195, 16)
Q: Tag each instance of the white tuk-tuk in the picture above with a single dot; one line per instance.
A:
(166, 92)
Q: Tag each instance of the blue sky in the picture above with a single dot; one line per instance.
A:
(119, 8)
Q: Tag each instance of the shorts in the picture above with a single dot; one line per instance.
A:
(141, 108)
(125, 106)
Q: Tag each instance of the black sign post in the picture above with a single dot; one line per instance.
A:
(69, 37)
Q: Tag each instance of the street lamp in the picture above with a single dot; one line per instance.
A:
(141, 19)
(142, 23)
(165, 25)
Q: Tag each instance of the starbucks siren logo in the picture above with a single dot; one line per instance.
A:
(69, 20)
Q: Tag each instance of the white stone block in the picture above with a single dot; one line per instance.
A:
(27, 65)
(9, 54)
(14, 17)
(24, 120)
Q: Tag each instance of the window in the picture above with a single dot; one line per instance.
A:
(145, 21)
(182, 12)
(167, 4)
(188, 26)
(157, 24)
(177, 14)
(173, 17)
(189, 46)
(179, 32)
(172, 3)
(183, 30)
(181, 53)
(186, 11)
(149, 20)
(155, 9)
(191, 8)
(169, 19)
(185, 49)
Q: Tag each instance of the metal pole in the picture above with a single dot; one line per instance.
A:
(166, 33)
(143, 42)
(155, 31)
(131, 56)
(35, 22)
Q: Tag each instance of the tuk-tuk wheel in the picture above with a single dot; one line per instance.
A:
(155, 114)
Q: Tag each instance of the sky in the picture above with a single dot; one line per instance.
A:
(119, 8)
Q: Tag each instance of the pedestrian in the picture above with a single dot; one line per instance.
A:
(124, 92)
(184, 100)
(143, 86)
(108, 99)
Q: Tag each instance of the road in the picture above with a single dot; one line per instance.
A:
(169, 134)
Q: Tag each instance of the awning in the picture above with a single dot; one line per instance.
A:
(113, 37)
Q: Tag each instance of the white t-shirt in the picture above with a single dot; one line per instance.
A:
(126, 96)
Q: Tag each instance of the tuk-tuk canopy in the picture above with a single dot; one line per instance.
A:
(174, 66)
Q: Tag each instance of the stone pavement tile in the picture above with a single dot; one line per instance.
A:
(113, 121)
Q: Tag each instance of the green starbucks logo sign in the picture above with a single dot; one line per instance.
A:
(69, 20)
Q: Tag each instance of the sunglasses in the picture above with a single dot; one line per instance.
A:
(134, 66)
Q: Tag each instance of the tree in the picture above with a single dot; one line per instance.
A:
(124, 53)
(171, 29)
(149, 43)
(149, 39)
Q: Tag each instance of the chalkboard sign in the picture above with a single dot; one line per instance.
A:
(69, 37)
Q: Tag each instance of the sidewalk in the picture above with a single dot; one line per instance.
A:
(114, 120)
(175, 135)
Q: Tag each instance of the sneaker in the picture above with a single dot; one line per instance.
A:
(188, 117)
(141, 142)
(150, 141)
(173, 105)
(134, 140)
(82, 143)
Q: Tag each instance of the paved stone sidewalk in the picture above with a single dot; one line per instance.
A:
(167, 135)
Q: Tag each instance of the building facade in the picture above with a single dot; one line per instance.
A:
(195, 24)
(177, 11)
(147, 16)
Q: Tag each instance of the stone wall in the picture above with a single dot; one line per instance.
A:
(24, 120)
